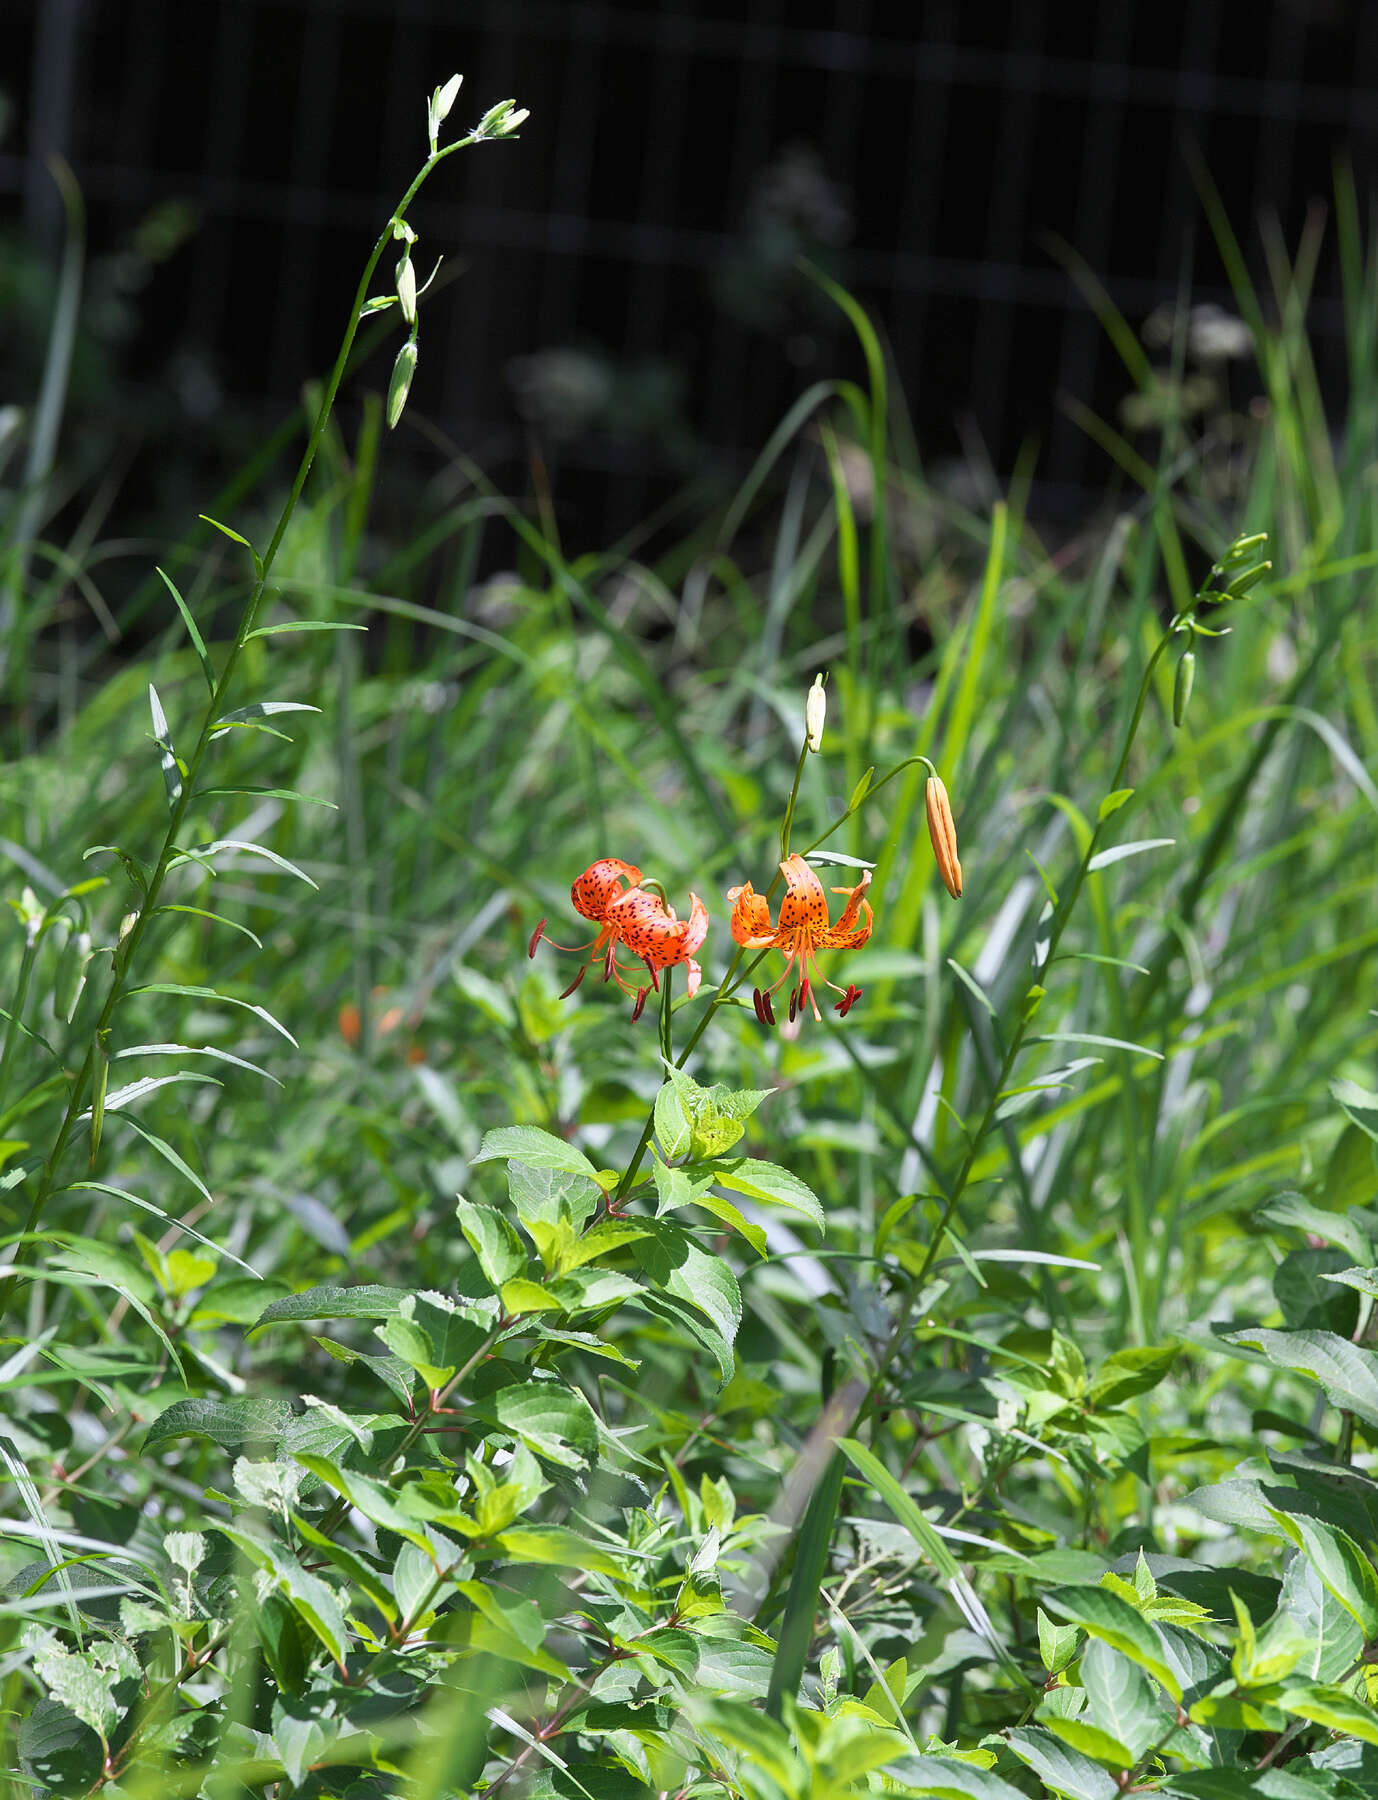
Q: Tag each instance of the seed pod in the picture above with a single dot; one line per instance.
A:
(1181, 687)
(400, 385)
(943, 833)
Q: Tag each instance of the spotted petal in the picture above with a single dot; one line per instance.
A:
(649, 929)
(804, 907)
(601, 884)
(750, 923)
(847, 934)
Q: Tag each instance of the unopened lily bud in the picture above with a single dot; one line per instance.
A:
(400, 385)
(1181, 687)
(943, 832)
(406, 289)
(815, 712)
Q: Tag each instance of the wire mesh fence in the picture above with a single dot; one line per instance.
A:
(626, 280)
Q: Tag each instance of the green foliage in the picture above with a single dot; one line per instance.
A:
(419, 1382)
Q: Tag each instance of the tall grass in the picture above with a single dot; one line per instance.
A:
(1013, 1181)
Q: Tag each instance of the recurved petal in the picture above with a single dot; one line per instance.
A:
(600, 884)
(750, 922)
(840, 937)
(855, 900)
(642, 921)
(696, 926)
(804, 907)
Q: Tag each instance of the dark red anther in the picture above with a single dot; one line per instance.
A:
(637, 1010)
(758, 1001)
(803, 993)
(793, 1003)
(770, 1010)
(847, 1002)
(655, 978)
(608, 961)
(583, 970)
(536, 937)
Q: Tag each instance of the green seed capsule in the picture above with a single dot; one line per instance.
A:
(1181, 687)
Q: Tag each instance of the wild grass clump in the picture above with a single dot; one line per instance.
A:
(937, 1363)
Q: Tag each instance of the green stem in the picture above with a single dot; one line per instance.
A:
(1061, 919)
(127, 952)
(666, 1016)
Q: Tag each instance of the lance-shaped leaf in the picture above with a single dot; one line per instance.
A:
(162, 737)
(197, 641)
(208, 853)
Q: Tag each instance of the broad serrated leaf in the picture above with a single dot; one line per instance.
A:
(1347, 1374)
(312, 1599)
(229, 1423)
(671, 1124)
(558, 1547)
(1114, 1621)
(1101, 1746)
(536, 1149)
(1341, 1565)
(493, 1242)
(330, 1302)
(1332, 1706)
(1340, 1229)
(371, 1498)
(676, 1264)
(1360, 1103)
(1127, 1373)
(552, 1420)
(1122, 1701)
(768, 1181)
(1066, 1771)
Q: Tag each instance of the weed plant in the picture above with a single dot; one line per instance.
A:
(416, 1380)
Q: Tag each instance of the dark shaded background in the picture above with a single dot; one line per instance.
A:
(626, 269)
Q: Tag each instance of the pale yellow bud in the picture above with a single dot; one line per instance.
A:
(815, 712)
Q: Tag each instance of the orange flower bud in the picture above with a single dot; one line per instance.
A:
(943, 832)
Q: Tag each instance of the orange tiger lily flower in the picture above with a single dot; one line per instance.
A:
(635, 919)
(801, 931)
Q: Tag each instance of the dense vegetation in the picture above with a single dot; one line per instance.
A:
(418, 1378)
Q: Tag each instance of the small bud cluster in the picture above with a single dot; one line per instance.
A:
(499, 121)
